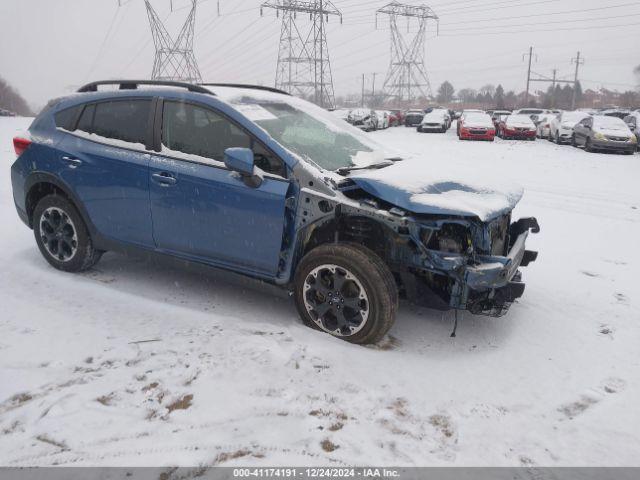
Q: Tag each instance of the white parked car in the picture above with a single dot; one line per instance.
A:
(342, 113)
(383, 119)
(543, 124)
(436, 120)
(561, 126)
(364, 119)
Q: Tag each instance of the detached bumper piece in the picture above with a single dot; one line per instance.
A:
(496, 302)
(494, 284)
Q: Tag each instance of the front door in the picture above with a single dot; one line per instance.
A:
(200, 209)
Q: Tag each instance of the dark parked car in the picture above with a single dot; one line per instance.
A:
(256, 181)
(413, 118)
(633, 122)
(604, 133)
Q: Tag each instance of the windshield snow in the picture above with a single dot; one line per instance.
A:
(573, 116)
(306, 130)
(610, 123)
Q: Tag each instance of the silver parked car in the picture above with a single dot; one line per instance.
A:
(604, 133)
(437, 120)
(364, 119)
(561, 126)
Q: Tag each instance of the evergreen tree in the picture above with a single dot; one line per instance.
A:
(499, 97)
(445, 92)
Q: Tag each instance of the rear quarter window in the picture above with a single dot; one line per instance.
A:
(67, 118)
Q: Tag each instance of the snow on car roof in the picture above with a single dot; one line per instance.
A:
(519, 117)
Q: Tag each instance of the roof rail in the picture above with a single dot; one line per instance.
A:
(241, 85)
(133, 85)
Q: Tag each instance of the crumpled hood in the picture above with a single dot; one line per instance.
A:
(420, 187)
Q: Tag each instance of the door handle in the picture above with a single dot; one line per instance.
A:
(164, 179)
(72, 162)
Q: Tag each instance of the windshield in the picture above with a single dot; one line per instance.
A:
(611, 123)
(574, 116)
(306, 129)
(519, 118)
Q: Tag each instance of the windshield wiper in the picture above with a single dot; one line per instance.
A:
(373, 166)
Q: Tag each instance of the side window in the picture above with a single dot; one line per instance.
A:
(66, 118)
(125, 120)
(86, 119)
(199, 131)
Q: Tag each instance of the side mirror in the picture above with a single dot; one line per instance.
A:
(239, 160)
(242, 161)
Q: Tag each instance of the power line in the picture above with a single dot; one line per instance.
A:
(595, 27)
(407, 72)
(303, 65)
(174, 59)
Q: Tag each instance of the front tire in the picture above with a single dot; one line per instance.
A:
(347, 291)
(62, 235)
(587, 146)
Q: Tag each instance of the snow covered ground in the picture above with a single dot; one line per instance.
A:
(135, 363)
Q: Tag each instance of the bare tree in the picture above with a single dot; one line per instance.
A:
(11, 100)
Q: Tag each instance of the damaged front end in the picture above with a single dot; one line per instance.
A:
(471, 265)
(440, 261)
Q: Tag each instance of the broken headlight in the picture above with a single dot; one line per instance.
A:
(451, 238)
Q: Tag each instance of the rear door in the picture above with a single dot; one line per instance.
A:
(106, 162)
(203, 210)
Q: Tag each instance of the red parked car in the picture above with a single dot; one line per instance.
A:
(396, 118)
(476, 126)
(518, 126)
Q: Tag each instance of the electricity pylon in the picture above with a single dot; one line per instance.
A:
(407, 74)
(303, 66)
(174, 60)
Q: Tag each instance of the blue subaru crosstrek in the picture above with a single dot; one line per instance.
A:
(253, 180)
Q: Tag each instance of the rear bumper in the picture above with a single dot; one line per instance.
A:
(431, 128)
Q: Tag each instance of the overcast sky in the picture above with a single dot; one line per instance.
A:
(48, 47)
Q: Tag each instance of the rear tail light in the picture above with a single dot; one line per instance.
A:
(20, 145)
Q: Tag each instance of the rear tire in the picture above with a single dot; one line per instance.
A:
(351, 287)
(62, 235)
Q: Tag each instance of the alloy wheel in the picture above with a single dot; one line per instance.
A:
(58, 234)
(336, 300)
